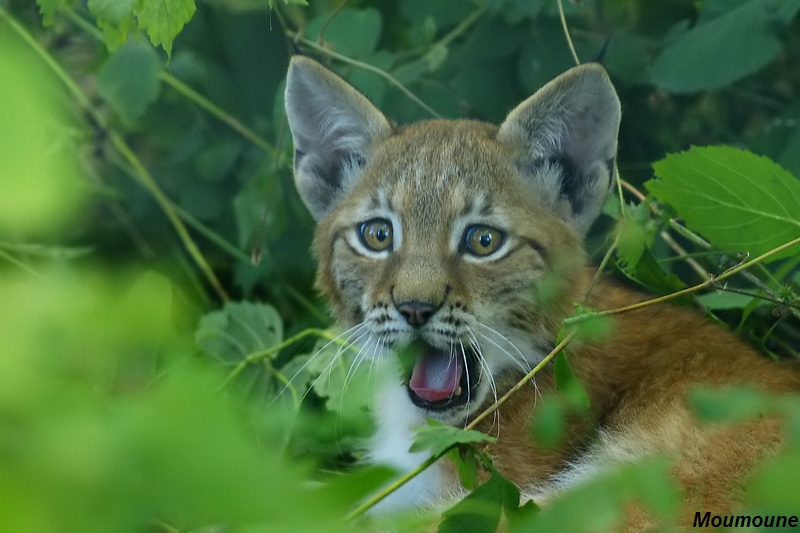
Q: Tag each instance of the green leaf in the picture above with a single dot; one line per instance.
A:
(648, 273)
(724, 300)
(47, 8)
(568, 384)
(344, 380)
(480, 511)
(115, 18)
(599, 504)
(633, 239)
(739, 201)
(129, 79)
(238, 330)
(163, 20)
(467, 464)
(547, 421)
(353, 32)
(724, 46)
(731, 404)
(438, 437)
(774, 484)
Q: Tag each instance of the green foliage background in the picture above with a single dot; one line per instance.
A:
(157, 315)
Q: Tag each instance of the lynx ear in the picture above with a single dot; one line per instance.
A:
(333, 127)
(567, 133)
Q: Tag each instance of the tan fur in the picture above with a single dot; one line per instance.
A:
(429, 177)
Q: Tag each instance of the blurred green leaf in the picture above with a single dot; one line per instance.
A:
(40, 189)
(437, 437)
(600, 503)
(129, 79)
(480, 511)
(48, 8)
(115, 18)
(730, 404)
(548, 421)
(739, 201)
(568, 384)
(713, 53)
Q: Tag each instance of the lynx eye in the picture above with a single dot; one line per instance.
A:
(481, 241)
(376, 234)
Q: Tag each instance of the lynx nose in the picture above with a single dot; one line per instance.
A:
(416, 313)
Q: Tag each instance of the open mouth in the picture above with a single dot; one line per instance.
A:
(442, 379)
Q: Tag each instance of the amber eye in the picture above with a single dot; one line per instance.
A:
(376, 234)
(481, 241)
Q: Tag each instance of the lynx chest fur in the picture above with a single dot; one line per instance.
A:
(460, 242)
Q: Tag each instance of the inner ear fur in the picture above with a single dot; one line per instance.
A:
(566, 135)
(333, 128)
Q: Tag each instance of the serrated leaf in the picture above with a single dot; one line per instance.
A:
(47, 8)
(480, 511)
(717, 52)
(437, 437)
(129, 79)
(568, 384)
(115, 18)
(739, 201)
(163, 20)
(238, 330)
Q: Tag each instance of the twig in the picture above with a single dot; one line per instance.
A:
(122, 147)
(256, 357)
(328, 20)
(375, 499)
(689, 290)
(566, 32)
(366, 66)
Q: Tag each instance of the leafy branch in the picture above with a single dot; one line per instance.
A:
(709, 283)
(376, 498)
(122, 147)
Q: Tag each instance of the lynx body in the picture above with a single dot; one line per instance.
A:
(461, 241)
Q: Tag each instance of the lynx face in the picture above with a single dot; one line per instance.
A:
(456, 241)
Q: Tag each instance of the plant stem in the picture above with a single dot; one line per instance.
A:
(524, 381)
(366, 66)
(272, 350)
(217, 112)
(566, 32)
(122, 147)
(405, 478)
(710, 282)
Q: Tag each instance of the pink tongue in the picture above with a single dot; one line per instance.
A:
(436, 375)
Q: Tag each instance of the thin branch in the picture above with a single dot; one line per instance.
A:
(376, 498)
(328, 20)
(566, 32)
(256, 357)
(366, 66)
(122, 147)
(689, 290)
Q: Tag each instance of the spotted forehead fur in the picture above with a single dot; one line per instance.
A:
(438, 169)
